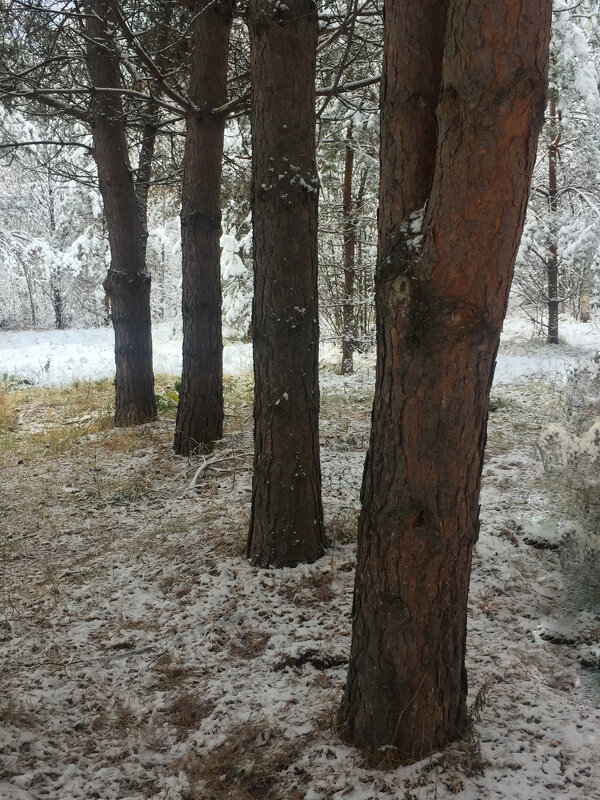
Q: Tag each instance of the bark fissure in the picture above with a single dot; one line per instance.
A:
(286, 525)
(200, 410)
(128, 282)
(440, 301)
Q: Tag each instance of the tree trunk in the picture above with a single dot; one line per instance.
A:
(442, 289)
(286, 525)
(56, 290)
(144, 170)
(584, 301)
(349, 333)
(552, 263)
(29, 283)
(56, 298)
(362, 326)
(200, 410)
(128, 281)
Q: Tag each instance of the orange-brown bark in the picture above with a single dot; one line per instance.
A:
(442, 288)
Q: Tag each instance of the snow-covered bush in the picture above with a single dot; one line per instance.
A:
(53, 249)
(164, 261)
(237, 283)
(570, 447)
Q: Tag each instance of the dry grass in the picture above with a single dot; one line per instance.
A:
(48, 421)
(250, 644)
(8, 414)
(187, 712)
(51, 420)
(248, 765)
(314, 589)
(238, 397)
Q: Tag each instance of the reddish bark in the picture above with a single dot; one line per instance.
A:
(441, 298)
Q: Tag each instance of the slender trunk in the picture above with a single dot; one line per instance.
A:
(29, 282)
(144, 170)
(56, 297)
(584, 301)
(56, 292)
(364, 289)
(552, 263)
(200, 410)
(349, 229)
(442, 290)
(128, 282)
(286, 525)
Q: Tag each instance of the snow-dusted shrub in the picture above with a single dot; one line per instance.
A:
(164, 262)
(237, 284)
(561, 449)
(570, 448)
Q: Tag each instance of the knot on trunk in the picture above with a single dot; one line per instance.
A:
(116, 281)
(201, 221)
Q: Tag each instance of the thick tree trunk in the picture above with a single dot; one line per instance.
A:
(128, 281)
(286, 525)
(442, 289)
(200, 410)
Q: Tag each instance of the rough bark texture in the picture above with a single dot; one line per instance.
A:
(144, 170)
(414, 35)
(286, 524)
(128, 282)
(200, 410)
(441, 297)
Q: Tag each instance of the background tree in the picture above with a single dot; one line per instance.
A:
(68, 63)
(128, 281)
(462, 103)
(286, 525)
(348, 68)
(557, 262)
(53, 245)
(348, 235)
(200, 410)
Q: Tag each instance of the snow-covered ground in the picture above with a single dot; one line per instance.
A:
(143, 658)
(57, 357)
(49, 358)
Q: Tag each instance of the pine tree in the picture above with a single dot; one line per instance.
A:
(462, 103)
(557, 261)
(200, 410)
(286, 525)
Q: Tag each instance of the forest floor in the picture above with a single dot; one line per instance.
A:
(142, 657)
